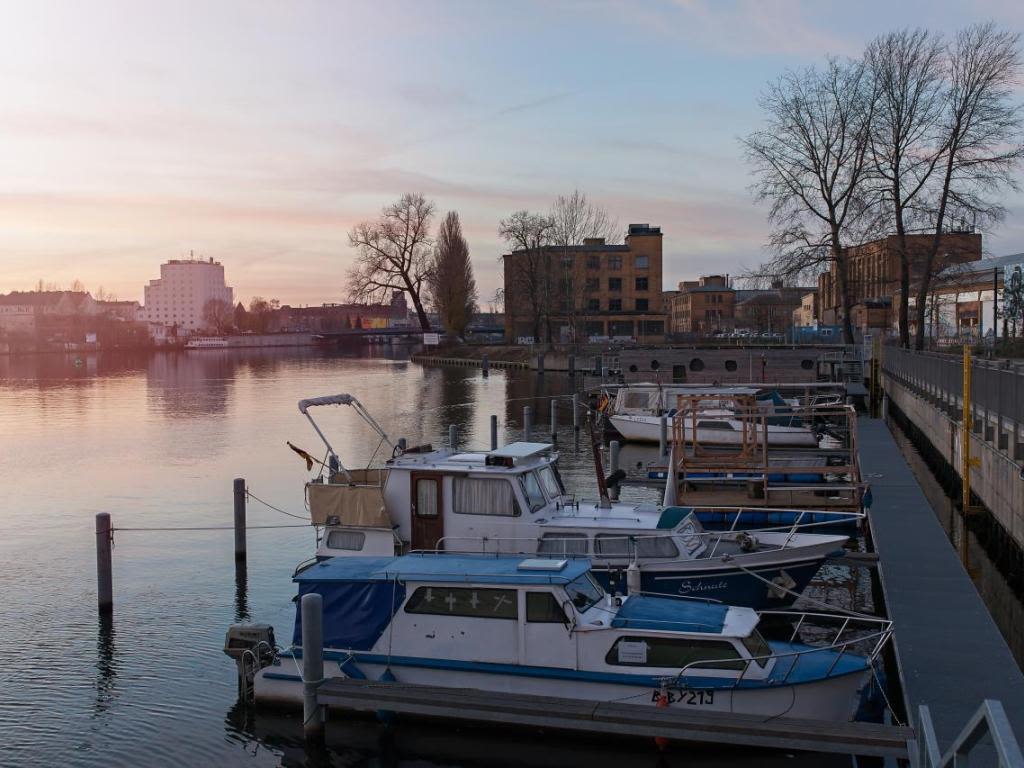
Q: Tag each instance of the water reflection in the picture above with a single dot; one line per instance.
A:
(106, 665)
(241, 591)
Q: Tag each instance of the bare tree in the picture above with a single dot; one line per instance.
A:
(394, 253)
(260, 310)
(980, 140)
(574, 219)
(451, 282)
(809, 162)
(907, 79)
(529, 270)
(217, 314)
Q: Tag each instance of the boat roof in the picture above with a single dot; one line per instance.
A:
(447, 568)
(524, 455)
(673, 615)
(590, 515)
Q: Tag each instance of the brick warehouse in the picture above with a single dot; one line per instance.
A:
(590, 291)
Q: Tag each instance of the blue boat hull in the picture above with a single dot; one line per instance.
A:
(727, 585)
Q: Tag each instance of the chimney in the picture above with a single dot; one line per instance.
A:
(593, 241)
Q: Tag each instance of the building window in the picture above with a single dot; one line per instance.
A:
(593, 261)
(614, 283)
(593, 305)
(459, 601)
(567, 261)
(641, 262)
(614, 305)
(593, 284)
(641, 283)
(615, 262)
(641, 305)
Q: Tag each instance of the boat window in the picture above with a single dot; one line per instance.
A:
(484, 496)
(353, 540)
(673, 653)
(714, 425)
(637, 400)
(551, 481)
(656, 546)
(758, 647)
(543, 607)
(531, 487)
(612, 545)
(563, 544)
(426, 497)
(464, 601)
(584, 592)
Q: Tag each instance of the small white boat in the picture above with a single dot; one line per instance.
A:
(715, 427)
(546, 627)
(206, 342)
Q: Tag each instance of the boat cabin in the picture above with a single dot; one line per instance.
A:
(462, 612)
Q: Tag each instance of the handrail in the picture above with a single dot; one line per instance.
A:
(989, 719)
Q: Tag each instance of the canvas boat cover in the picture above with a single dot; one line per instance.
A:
(360, 504)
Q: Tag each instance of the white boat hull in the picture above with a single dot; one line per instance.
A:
(647, 429)
(833, 699)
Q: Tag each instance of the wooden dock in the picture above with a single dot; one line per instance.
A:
(634, 720)
(949, 651)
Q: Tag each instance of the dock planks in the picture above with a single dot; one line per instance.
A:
(950, 653)
(635, 720)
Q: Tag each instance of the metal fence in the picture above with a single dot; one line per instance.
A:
(996, 387)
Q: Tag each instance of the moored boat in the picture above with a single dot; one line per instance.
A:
(546, 627)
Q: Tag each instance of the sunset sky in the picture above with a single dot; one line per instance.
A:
(257, 133)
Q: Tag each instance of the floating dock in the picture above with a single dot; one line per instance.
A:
(635, 720)
(949, 651)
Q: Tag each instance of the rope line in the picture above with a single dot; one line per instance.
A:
(254, 497)
(213, 527)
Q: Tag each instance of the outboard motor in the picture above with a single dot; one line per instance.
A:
(252, 646)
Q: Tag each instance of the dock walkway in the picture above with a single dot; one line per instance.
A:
(950, 653)
(633, 720)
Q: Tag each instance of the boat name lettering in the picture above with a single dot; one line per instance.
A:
(686, 587)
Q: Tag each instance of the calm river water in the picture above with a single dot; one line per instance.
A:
(155, 440)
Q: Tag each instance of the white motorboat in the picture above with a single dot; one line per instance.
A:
(715, 427)
(546, 627)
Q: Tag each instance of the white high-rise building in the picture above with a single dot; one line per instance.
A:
(179, 295)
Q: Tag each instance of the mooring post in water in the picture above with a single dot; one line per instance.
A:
(453, 436)
(613, 466)
(572, 366)
(485, 364)
(104, 578)
(576, 412)
(239, 518)
(527, 422)
(554, 420)
(312, 665)
(494, 432)
(540, 363)
(663, 436)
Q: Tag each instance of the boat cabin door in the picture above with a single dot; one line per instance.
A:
(547, 637)
(427, 510)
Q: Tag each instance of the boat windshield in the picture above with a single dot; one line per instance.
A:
(758, 647)
(531, 487)
(551, 481)
(584, 592)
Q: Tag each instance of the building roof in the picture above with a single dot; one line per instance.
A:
(44, 298)
(445, 568)
(709, 289)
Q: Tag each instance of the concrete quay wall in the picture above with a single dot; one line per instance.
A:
(996, 481)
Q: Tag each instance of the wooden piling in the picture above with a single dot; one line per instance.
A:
(613, 461)
(663, 436)
(104, 563)
(494, 432)
(572, 366)
(540, 363)
(485, 364)
(554, 420)
(527, 422)
(312, 665)
(576, 412)
(453, 436)
(239, 518)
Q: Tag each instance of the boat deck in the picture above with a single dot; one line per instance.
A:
(634, 720)
(949, 651)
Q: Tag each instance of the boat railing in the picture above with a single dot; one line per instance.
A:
(877, 632)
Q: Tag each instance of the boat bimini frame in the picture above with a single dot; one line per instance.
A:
(334, 461)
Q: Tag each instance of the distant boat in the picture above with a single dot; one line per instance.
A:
(206, 342)
(715, 427)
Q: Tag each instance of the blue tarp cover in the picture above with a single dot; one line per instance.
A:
(440, 568)
(661, 613)
(355, 612)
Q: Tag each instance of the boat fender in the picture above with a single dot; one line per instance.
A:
(662, 703)
(748, 542)
(633, 579)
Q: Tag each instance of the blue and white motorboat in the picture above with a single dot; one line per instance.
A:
(545, 626)
(512, 500)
